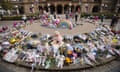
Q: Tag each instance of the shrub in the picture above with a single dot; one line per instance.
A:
(11, 17)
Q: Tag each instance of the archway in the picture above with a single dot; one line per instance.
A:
(72, 8)
(40, 9)
(52, 9)
(21, 10)
(59, 9)
(46, 8)
(77, 9)
(97, 0)
(66, 8)
(96, 9)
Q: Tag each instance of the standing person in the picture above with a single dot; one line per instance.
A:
(24, 18)
(55, 15)
(66, 15)
(76, 16)
(114, 21)
(102, 18)
(96, 19)
(31, 20)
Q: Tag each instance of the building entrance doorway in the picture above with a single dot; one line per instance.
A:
(59, 9)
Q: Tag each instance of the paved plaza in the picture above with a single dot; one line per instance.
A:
(110, 67)
(59, 35)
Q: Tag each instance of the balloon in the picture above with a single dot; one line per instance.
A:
(74, 54)
(57, 21)
(14, 24)
(68, 60)
(69, 52)
(4, 28)
(65, 23)
(1, 30)
(45, 23)
(12, 40)
(115, 40)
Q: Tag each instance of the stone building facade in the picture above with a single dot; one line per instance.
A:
(64, 6)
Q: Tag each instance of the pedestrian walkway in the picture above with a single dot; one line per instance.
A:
(107, 21)
(4, 68)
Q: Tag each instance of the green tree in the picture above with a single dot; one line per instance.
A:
(5, 4)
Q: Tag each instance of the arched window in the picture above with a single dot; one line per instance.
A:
(21, 10)
(77, 8)
(59, 9)
(96, 9)
(52, 9)
(66, 8)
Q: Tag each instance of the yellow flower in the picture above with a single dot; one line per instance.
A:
(69, 52)
(114, 40)
(68, 60)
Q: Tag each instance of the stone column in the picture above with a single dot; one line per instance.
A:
(102, 6)
(9, 12)
(74, 8)
(36, 9)
(117, 7)
(27, 9)
(87, 8)
(70, 4)
(33, 8)
(55, 8)
(42, 8)
(63, 9)
(17, 10)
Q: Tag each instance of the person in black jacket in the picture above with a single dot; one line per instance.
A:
(114, 21)
(54, 15)
(76, 16)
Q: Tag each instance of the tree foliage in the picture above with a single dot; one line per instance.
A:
(5, 4)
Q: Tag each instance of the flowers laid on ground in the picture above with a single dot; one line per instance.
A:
(48, 51)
